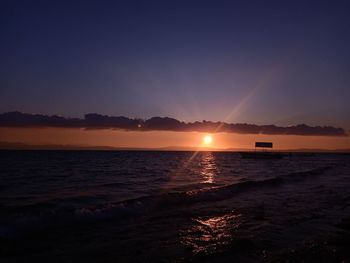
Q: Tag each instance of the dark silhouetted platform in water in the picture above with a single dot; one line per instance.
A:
(261, 155)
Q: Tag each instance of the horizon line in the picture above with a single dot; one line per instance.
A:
(4, 146)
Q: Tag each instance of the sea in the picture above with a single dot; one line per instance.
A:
(163, 206)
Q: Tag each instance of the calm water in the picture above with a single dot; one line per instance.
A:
(104, 206)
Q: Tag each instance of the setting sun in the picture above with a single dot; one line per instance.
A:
(207, 139)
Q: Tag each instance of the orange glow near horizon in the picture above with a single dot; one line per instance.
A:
(164, 139)
(207, 139)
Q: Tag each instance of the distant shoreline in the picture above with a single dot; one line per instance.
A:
(8, 146)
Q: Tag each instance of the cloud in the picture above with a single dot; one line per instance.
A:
(98, 121)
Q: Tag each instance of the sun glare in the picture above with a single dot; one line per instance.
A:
(207, 139)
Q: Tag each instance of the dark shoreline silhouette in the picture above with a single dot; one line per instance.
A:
(77, 147)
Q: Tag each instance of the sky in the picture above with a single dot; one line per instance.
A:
(260, 62)
(166, 139)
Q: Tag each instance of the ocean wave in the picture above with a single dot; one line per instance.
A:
(41, 216)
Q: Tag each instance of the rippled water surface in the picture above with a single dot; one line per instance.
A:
(105, 206)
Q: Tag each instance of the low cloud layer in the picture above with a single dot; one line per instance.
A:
(97, 121)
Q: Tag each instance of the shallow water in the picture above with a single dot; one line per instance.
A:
(88, 206)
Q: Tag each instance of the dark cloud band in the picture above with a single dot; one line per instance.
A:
(97, 121)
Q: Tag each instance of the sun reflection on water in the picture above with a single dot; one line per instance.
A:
(208, 234)
(208, 168)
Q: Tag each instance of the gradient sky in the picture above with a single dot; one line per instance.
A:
(263, 62)
(156, 139)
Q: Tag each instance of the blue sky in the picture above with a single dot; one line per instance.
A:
(263, 62)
